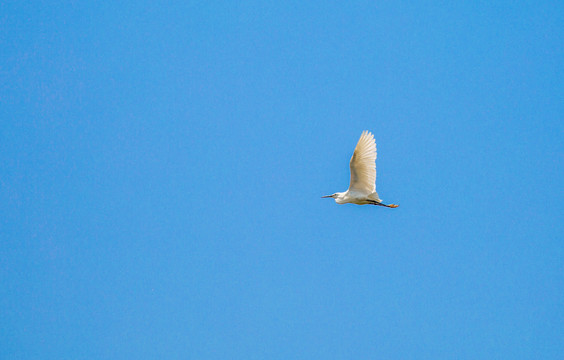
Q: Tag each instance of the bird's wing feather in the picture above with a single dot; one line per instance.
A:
(363, 165)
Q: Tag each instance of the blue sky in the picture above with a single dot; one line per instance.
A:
(162, 167)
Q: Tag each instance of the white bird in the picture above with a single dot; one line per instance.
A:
(362, 189)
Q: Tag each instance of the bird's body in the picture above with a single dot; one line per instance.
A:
(362, 188)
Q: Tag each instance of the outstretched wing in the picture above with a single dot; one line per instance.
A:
(363, 165)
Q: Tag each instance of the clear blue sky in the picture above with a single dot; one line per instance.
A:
(161, 167)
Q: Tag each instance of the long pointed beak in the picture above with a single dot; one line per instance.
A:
(326, 196)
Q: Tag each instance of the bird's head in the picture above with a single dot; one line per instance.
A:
(334, 196)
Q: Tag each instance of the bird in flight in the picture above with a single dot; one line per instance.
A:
(362, 189)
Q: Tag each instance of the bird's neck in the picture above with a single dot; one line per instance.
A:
(340, 197)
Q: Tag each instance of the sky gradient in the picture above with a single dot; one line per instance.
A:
(161, 168)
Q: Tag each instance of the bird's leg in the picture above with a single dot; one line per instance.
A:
(373, 202)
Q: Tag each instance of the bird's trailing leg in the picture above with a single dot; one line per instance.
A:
(373, 202)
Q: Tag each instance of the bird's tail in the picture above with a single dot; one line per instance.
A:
(374, 196)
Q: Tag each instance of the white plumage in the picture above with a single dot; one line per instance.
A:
(362, 189)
